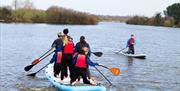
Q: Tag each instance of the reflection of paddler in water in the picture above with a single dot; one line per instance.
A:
(130, 61)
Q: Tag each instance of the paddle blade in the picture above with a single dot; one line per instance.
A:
(33, 74)
(98, 54)
(115, 71)
(35, 61)
(27, 68)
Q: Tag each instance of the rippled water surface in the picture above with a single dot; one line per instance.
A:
(20, 44)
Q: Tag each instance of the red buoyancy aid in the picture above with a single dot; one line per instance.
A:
(69, 47)
(59, 57)
(131, 41)
(81, 61)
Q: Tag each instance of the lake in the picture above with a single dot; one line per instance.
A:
(160, 71)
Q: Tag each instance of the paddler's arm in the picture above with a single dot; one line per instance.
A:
(74, 60)
(127, 44)
(53, 58)
(89, 52)
(60, 47)
(89, 62)
(53, 44)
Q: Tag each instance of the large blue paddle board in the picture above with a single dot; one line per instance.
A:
(65, 84)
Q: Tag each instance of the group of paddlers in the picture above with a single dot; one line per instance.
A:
(75, 59)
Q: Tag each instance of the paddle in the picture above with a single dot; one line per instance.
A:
(102, 75)
(98, 54)
(27, 68)
(121, 50)
(38, 59)
(114, 71)
(33, 74)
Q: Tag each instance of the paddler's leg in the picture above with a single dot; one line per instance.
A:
(64, 67)
(58, 69)
(133, 51)
(83, 72)
(88, 72)
(66, 64)
(55, 69)
(129, 49)
(69, 63)
(74, 76)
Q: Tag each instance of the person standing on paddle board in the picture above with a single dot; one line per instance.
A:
(130, 43)
(79, 47)
(80, 62)
(67, 54)
(57, 57)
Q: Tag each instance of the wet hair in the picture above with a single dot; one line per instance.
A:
(82, 41)
(65, 31)
(59, 34)
(81, 51)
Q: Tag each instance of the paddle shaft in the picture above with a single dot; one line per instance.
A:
(122, 49)
(102, 75)
(46, 52)
(42, 68)
(46, 56)
(103, 66)
(27, 68)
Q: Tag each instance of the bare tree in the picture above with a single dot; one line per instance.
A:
(22, 4)
(28, 4)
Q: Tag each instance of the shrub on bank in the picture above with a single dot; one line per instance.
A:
(167, 21)
(53, 15)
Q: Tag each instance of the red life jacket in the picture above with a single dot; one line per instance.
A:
(81, 61)
(69, 47)
(59, 57)
(131, 41)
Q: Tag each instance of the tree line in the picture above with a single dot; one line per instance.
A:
(171, 19)
(53, 15)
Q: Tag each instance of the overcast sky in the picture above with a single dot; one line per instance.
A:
(106, 7)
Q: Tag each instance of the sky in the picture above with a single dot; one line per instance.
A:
(106, 7)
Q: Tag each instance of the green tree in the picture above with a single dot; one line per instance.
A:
(5, 13)
(173, 11)
(158, 18)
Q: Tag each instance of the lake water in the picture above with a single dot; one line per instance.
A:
(20, 44)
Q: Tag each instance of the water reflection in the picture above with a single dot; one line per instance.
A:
(130, 61)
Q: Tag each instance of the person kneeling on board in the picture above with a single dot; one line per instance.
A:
(80, 62)
(57, 57)
(130, 43)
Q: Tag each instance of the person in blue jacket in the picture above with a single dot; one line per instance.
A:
(130, 43)
(80, 62)
(82, 43)
(79, 47)
(57, 57)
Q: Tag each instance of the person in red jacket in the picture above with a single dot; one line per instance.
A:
(79, 46)
(80, 63)
(130, 43)
(67, 54)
